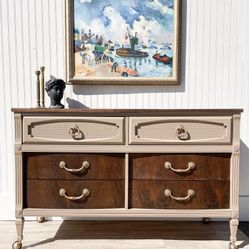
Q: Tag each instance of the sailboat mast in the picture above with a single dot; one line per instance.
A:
(129, 35)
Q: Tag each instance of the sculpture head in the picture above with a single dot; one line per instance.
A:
(55, 88)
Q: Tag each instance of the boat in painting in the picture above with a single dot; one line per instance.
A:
(131, 52)
(163, 58)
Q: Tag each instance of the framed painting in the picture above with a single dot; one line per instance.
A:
(123, 42)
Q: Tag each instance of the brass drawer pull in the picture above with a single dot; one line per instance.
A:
(83, 168)
(191, 166)
(191, 194)
(182, 134)
(85, 193)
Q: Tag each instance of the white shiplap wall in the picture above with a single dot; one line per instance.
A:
(215, 72)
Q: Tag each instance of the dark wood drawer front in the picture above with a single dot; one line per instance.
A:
(151, 194)
(101, 194)
(180, 166)
(86, 166)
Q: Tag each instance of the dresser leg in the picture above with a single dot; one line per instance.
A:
(233, 230)
(19, 228)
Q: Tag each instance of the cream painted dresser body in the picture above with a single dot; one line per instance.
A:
(127, 164)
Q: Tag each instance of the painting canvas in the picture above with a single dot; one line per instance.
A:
(126, 41)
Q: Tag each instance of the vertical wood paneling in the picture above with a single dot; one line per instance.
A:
(215, 70)
(26, 47)
(53, 53)
(2, 109)
(7, 77)
(46, 35)
(219, 57)
(61, 37)
(199, 47)
(206, 53)
(227, 47)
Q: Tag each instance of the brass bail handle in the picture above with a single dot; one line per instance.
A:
(191, 166)
(83, 168)
(191, 194)
(63, 193)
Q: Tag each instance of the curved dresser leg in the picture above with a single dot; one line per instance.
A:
(40, 219)
(19, 229)
(233, 230)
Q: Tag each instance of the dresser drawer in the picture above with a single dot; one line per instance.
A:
(180, 166)
(171, 194)
(73, 166)
(90, 193)
(175, 130)
(92, 130)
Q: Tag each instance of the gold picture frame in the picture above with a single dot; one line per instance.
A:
(81, 54)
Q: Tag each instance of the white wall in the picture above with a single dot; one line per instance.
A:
(215, 72)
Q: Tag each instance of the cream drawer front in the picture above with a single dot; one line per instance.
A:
(171, 130)
(92, 130)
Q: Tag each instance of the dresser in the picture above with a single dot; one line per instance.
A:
(127, 164)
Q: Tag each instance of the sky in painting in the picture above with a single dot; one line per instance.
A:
(151, 19)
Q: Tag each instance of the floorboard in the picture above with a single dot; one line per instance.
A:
(121, 235)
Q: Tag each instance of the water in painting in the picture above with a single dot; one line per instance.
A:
(126, 38)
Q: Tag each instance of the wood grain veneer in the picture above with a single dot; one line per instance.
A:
(45, 194)
(46, 166)
(152, 166)
(128, 112)
(150, 194)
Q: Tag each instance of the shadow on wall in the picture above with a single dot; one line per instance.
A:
(244, 183)
(126, 89)
(244, 169)
(75, 104)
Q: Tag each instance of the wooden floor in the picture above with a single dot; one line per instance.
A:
(121, 235)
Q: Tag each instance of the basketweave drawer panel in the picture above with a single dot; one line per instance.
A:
(179, 194)
(180, 166)
(174, 130)
(73, 166)
(87, 130)
(74, 194)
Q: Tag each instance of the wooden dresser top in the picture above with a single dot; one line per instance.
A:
(126, 112)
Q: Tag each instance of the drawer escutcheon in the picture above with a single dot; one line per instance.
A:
(191, 166)
(83, 168)
(76, 133)
(85, 193)
(182, 133)
(191, 194)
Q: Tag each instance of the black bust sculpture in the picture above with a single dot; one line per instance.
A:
(55, 88)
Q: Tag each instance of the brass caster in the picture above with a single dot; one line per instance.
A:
(206, 220)
(40, 219)
(232, 246)
(17, 245)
